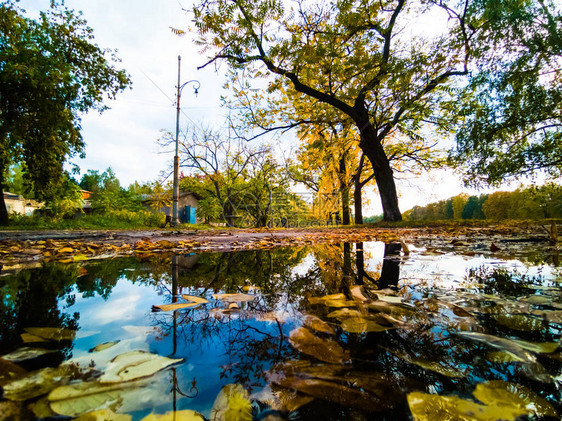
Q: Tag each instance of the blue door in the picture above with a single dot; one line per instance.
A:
(189, 215)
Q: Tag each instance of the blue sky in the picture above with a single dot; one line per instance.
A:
(124, 137)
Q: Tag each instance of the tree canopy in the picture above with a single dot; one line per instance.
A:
(384, 66)
(51, 72)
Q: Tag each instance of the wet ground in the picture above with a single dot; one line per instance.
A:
(422, 325)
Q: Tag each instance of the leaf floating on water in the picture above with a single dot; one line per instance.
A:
(29, 338)
(340, 303)
(426, 407)
(344, 313)
(10, 371)
(500, 343)
(326, 350)
(512, 396)
(104, 415)
(134, 365)
(104, 346)
(357, 294)
(36, 383)
(442, 367)
(317, 324)
(80, 398)
(322, 300)
(185, 415)
(539, 300)
(52, 333)
(234, 298)
(173, 307)
(232, 403)
(195, 299)
(336, 392)
(519, 322)
(504, 357)
(540, 347)
(26, 353)
(363, 325)
(390, 299)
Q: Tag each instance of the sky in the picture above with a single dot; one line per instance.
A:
(125, 136)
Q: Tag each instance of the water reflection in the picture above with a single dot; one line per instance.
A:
(437, 323)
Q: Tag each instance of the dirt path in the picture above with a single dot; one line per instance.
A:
(29, 248)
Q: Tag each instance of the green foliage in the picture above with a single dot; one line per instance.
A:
(15, 181)
(535, 202)
(50, 73)
(513, 105)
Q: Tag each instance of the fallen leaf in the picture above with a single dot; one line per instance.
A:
(52, 333)
(234, 298)
(104, 346)
(232, 404)
(326, 350)
(134, 365)
(512, 396)
(26, 353)
(10, 371)
(195, 299)
(317, 324)
(104, 415)
(173, 306)
(363, 325)
(184, 415)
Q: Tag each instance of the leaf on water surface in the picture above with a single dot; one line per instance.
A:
(26, 353)
(519, 322)
(184, 415)
(339, 303)
(444, 368)
(540, 347)
(52, 333)
(134, 365)
(317, 324)
(42, 408)
(280, 398)
(232, 403)
(344, 313)
(539, 300)
(358, 294)
(73, 400)
(322, 300)
(388, 308)
(552, 316)
(335, 392)
(29, 338)
(10, 371)
(500, 343)
(390, 299)
(104, 415)
(326, 350)
(36, 383)
(104, 346)
(364, 325)
(173, 306)
(426, 407)
(504, 357)
(234, 298)
(512, 396)
(195, 299)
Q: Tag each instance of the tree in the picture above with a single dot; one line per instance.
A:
(351, 56)
(50, 73)
(514, 114)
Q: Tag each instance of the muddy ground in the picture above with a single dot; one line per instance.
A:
(30, 248)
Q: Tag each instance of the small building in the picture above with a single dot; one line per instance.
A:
(16, 203)
(187, 207)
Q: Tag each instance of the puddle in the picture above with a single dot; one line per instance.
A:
(332, 332)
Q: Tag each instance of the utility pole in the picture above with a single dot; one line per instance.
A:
(176, 188)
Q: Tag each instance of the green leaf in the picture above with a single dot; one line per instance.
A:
(185, 415)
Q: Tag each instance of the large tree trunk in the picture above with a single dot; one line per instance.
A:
(374, 150)
(344, 189)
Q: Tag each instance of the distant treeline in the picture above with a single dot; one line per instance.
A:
(528, 203)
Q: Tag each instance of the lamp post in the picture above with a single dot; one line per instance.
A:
(176, 189)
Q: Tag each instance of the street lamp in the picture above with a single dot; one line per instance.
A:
(176, 191)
